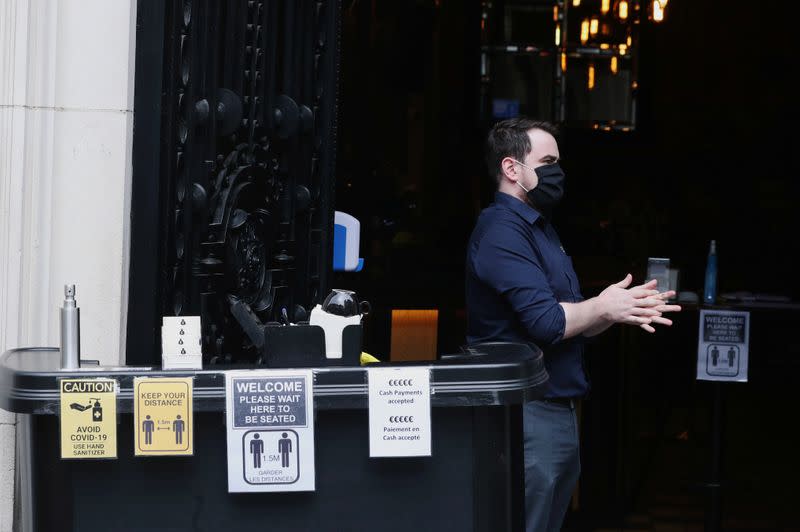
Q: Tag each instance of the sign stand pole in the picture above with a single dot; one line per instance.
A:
(714, 484)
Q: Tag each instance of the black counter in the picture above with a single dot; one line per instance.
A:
(29, 381)
(472, 481)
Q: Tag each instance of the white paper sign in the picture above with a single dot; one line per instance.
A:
(722, 347)
(399, 412)
(270, 422)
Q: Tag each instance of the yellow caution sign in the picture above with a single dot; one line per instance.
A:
(162, 415)
(88, 418)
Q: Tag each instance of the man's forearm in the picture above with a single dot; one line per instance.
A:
(584, 318)
(641, 305)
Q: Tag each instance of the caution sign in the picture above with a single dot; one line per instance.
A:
(723, 340)
(162, 414)
(88, 418)
(270, 421)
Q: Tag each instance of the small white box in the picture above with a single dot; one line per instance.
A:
(181, 342)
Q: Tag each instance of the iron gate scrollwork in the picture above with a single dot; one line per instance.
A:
(246, 159)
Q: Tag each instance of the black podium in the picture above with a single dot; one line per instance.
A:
(472, 481)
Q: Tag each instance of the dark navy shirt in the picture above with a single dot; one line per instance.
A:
(517, 272)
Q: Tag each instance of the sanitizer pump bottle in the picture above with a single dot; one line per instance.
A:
(70, 330)
(710, 291)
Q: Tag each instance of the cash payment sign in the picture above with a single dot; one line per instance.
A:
(163, 416)
(399, 412)
(88, 418)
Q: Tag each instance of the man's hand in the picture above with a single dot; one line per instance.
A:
(640, 305)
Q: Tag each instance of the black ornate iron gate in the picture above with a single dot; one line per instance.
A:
(233, 164)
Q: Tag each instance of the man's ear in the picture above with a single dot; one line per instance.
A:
(509, 169)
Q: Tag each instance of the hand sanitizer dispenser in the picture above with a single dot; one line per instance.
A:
(70, 330)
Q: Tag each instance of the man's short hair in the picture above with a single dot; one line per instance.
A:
(509, 138)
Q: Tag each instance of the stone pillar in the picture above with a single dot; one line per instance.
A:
(66, 124)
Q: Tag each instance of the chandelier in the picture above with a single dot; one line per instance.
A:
(589, 47)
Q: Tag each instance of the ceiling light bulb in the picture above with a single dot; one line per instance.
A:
(658, 11)
(623, 10)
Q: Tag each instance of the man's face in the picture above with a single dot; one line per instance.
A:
(544, 150)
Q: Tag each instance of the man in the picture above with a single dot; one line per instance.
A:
(521, 287)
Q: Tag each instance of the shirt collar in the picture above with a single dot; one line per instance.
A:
(525, 211)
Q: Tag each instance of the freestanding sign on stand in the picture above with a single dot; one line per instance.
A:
(399, 412)
(722, 345)
(722, 355)
(270, 424)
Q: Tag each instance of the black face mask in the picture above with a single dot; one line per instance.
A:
(546, 196)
